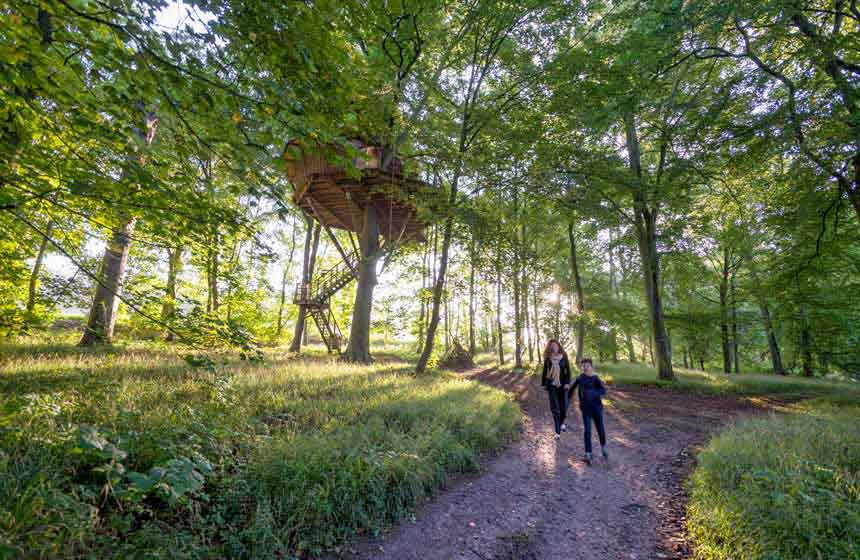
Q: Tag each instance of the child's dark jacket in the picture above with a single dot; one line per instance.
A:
(590, 388)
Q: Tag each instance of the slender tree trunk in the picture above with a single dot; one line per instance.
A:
(646, 232)
(686, 362)
(102, 317)
(631, 353)
(805, 341)
(613, 289)
(445, 315)
(724, 314)
(536, 311)
(735, 342)
(423, 303)
(499, 332)
(285, 275)
(214, 258)
(526, 314)
(772, 344)
(438, 285)
(472, 344)
(168, 308)
(37, 266)
(312, 238)
(358, 349)
(580, 298)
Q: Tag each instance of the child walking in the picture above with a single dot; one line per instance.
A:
(556, 381)
(590, 390)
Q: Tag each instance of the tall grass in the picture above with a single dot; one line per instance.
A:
(782, 487)
(132, 452)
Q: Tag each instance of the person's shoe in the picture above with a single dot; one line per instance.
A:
(588, 458)
(605, 452)
(557, 436)
(563, 428)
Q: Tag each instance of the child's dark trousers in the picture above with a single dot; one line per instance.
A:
(595, 414)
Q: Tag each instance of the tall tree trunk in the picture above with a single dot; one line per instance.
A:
(613, 290)
(499, 332)
(472, 345)
(724, 314)
(536, 317)
(312, 239)
(445, 315)
(631, 353)
(438, 285)
(425, 269)
(526, 314)
(686, 362)
(213, 258)
(358, 349)
(772, 344)
(735, 342)
(37, 266)
(285, 275)
(580, 298)
(168, 307)
(102, 317)
(646, 233)
(805, 341)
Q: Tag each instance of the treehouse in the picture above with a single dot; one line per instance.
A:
(340, 188)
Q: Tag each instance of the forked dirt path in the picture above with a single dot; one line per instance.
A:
(538, 500)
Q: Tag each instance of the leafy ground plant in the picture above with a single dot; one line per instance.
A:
(136, 451)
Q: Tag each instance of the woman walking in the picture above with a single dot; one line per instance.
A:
(556, 381)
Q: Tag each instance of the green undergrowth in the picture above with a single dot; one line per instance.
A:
(785, 388)
(779, 487)
(131, 452)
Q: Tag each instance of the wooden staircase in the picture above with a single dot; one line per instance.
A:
(316, 295)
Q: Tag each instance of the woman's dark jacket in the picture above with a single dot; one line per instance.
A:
(564, 377)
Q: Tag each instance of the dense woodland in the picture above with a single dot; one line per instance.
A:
(662, 182)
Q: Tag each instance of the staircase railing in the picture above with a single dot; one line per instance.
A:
(327, 283)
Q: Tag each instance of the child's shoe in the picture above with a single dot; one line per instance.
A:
(588, 458)
(557, 437)
(563, 428)
(605, 452)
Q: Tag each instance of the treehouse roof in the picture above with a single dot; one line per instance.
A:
(335, 194)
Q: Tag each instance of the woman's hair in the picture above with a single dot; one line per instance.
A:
(546, 350)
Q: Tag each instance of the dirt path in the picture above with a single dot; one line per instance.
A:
(538, 500)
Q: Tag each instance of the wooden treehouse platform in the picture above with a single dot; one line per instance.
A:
(337, 195)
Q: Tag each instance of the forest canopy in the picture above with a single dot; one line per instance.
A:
(663, 181)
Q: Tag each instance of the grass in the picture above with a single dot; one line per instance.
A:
(778, 488)
(130, 452)
(815, 391)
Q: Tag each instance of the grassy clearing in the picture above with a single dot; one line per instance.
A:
(131, 452)
(786, 388)
(779, 487)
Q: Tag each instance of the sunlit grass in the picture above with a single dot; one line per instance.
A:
(787, 388)
(783, 486)
(270, 430)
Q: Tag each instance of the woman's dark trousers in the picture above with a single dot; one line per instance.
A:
(595, 414)
(558, 405)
